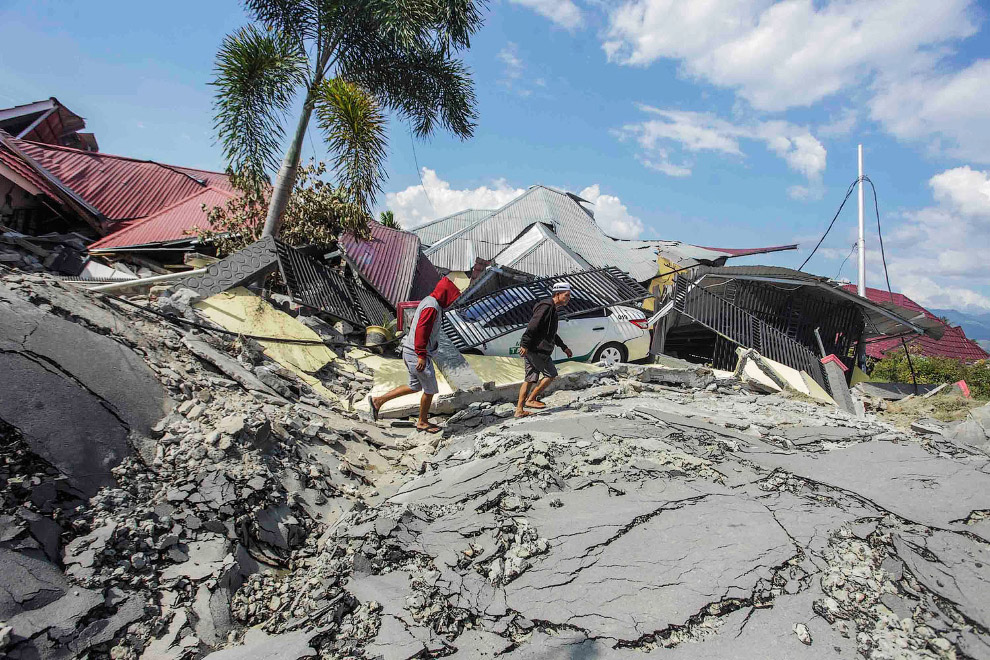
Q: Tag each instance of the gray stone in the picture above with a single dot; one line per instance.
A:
(27, 583)
(257, 644)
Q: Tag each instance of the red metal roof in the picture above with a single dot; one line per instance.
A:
(173, 223)
(745, 252)
(954, 343)
(389, 260)
(21, 168)
(122, 188)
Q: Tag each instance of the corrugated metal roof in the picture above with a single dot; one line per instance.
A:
(19, 167)
(173, 223)
(540, 252)
(573, 224)
(953, 344)
(389, 260)
(440, 229)
(122, 188)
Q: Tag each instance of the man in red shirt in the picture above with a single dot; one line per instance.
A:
(418, 348)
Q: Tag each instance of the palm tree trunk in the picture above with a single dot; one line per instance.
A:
(287, 174)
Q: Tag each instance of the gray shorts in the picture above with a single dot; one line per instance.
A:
(538, 363)
(425, 380)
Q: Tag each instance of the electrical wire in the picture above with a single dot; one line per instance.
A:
(419, 172)
(890, 292)
(842, 265)
(852, 186)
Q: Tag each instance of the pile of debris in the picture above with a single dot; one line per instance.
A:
(60, 253)
(176, 495)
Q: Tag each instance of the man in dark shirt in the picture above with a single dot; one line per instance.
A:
(536, 347)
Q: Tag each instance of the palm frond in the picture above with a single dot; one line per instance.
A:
(297, 19)
(256, 76)
(354, 126)
(425, 87)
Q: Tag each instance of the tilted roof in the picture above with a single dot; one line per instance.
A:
(953, 344)
(122, 188)
(562, 212)
(177, 222)
(441, 228)
(538, 251)
(390, 261)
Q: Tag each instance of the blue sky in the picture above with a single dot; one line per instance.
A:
(729, 123)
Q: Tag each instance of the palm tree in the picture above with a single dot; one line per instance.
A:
(354, 61)
(387, 219)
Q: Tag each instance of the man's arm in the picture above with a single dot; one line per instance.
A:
(560, 342)
(424, 329)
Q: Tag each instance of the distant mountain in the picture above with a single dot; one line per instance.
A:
(975, 325)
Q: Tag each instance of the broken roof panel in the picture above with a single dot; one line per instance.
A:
(540, 252)
(952, 344)
(562, 212)
(437, 230)
(882, 318)
(173, 223)
(24, 175)
(121, 188)
(389, 260)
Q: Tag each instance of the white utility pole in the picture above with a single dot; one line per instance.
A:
(862, 239)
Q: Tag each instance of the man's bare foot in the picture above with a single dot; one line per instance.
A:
(539, 405)
(522, 413)
(429, 428)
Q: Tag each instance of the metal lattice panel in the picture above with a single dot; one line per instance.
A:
(485, 319)
(315, 285)
(736, 325)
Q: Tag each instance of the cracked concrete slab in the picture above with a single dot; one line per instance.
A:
(626, 566)
(901, 478)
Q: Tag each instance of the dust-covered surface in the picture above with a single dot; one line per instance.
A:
(655, 511)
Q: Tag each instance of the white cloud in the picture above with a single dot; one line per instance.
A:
(937, 254)
(611, 214)
(509, 56)
(696, 132)
(790, 53)
(950, 111)
(562, 12)
(417, 205)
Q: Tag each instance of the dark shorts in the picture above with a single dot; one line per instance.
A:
(538, 363)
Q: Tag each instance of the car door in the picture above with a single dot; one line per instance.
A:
(583, 333)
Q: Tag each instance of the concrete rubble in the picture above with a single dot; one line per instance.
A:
(162, 499)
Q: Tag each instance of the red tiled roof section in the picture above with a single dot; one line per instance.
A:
(173, 223)
(953, 344)
(122, 188)
(389, 260)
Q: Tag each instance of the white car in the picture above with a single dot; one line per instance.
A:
(610, 335)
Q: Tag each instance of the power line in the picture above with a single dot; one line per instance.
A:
(419, 172)
(842, 265)
(852, 186)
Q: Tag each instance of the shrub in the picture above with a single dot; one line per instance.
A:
(934, 371)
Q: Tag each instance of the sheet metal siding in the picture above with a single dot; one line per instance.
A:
(173, 223)
(314, 285)
(388, 260)
(426, 279)
(122, 188)
(437, 230)
(547, 259)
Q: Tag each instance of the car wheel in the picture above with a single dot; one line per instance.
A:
(611, 353)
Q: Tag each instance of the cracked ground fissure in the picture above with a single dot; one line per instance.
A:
(695, 521)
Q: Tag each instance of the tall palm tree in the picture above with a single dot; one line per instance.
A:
(354, 60)
(387, 219)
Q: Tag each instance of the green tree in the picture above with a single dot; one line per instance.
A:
(315, 214)
(387, 219)
(353, 60)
